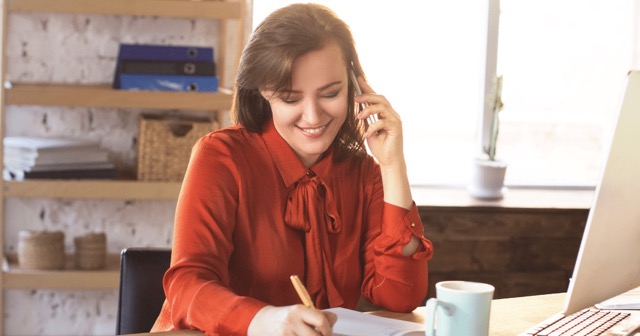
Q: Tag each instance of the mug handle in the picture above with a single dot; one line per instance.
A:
(430, 314)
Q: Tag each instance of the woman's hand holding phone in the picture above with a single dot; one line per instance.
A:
(384, 131)
(384, 138)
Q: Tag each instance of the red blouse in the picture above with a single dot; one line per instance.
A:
(250, 215)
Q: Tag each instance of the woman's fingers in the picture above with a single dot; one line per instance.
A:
(331, 317)
(377, 106)
(314, 322)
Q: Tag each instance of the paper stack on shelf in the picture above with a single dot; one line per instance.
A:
(55, 158)
(165, 68)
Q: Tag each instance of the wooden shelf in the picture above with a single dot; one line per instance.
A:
(92, 189)
(168, 8)
(104, 96)
(16, 278)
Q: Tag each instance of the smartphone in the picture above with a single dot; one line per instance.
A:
(372, 118)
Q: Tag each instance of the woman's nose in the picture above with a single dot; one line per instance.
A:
(312, 111)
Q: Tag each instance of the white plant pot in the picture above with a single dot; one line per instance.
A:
(487, 179)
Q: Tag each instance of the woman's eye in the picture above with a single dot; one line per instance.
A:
(289, 101)
(331, 95)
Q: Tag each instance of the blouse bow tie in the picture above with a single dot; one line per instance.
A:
(311, 208)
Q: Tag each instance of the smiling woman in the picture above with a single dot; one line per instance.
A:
(291, 190)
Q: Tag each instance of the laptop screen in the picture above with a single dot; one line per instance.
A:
(608, 261)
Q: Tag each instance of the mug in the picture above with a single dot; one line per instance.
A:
(461, 308)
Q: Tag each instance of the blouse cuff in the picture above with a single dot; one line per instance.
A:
(411, 224)
(398, 226)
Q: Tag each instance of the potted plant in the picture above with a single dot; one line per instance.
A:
(487, 181)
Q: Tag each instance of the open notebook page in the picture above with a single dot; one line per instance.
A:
(354, 323)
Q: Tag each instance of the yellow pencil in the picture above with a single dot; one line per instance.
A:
(302, 291)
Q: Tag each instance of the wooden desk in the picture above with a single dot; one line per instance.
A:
(508, 316)
(512, 316)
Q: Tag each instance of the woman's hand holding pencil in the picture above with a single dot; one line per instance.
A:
(300, 319)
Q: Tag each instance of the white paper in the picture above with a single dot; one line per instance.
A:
(354, 323)
(627, 300)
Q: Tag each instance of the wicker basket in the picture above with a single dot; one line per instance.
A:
(164, 146)
(41, 250)
(91, 251)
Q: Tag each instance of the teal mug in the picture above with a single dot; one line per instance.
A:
(461, 308)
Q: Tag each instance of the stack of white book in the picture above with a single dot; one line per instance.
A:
(32, 157)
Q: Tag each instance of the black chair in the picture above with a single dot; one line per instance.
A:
(141, 293)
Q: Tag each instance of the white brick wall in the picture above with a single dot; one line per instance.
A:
(82, 49)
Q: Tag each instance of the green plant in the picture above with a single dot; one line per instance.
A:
(496, 106)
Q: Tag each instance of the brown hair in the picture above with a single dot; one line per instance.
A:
(267, 59)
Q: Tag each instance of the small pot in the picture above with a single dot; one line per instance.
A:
(487, 180)
(91, 251)
(41, 250)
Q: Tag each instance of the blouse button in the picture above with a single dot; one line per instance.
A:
(413, 224)
(310, 173)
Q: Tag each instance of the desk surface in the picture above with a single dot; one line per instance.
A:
(508, 316)
(515, 315)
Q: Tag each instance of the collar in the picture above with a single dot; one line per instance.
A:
(289, 165)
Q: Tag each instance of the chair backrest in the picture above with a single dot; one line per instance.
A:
(141, 293)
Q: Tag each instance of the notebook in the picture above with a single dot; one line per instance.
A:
(354, 323)
(608, 262)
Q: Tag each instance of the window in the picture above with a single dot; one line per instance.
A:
(564, 76)
(564, 63)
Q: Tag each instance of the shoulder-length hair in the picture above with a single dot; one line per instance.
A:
(267, 61)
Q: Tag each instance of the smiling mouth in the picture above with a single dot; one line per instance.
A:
(313, 130)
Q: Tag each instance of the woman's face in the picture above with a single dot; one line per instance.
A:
(310, 115)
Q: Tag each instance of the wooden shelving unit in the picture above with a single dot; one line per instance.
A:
(230, 14)
(69, 278)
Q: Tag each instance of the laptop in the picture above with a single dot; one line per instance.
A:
(608, 262)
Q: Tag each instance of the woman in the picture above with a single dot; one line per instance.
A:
(291, 190)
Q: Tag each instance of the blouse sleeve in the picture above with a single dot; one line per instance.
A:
(197, 283)
(393, 281)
